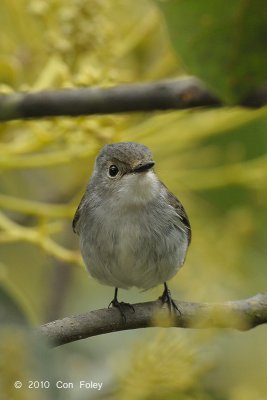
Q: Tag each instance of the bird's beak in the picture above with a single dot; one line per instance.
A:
(144, 167)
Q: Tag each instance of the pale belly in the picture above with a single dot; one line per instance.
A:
(136, 250)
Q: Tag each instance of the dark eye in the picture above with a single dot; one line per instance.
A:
(113, 170)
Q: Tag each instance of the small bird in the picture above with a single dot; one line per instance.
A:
(133, 232)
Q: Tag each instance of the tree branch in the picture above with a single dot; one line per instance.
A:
(241, 315)
(161, 95)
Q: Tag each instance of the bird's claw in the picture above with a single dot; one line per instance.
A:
(167, 299)
(121, 305)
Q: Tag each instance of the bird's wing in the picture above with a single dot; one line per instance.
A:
(77, 215)
(177, 205)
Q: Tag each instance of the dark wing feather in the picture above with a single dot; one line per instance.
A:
(77, 215)
(177, 205)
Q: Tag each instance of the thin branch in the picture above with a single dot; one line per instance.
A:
(36, 208)
(241, 315)
(161, 95)
(13, 231)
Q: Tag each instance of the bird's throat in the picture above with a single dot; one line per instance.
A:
(138, 189)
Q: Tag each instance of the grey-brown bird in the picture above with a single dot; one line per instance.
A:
(132, 230)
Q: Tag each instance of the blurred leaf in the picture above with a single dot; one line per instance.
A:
(222, 43)
(171, 366)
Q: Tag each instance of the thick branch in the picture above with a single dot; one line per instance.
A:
(241, 314)
(162, 95)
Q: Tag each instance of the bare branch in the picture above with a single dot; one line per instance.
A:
(240, 314)
(161, 95)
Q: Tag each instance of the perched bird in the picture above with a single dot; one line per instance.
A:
(132, 230)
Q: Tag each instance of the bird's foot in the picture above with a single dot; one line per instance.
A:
(167, 299)
(121, 306)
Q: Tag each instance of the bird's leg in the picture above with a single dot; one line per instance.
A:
(167, 299)
(120, 305)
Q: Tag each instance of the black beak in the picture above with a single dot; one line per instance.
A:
(144, 167)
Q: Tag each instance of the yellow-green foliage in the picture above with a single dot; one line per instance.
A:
(169, 366)
(213, 160)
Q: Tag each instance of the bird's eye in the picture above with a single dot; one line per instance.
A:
(113, 170)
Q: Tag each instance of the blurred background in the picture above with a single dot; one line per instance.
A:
(214, 160)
